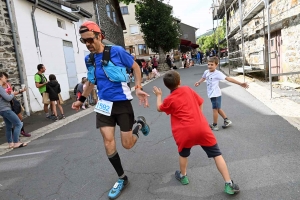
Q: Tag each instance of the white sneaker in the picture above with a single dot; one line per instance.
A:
(83, 107)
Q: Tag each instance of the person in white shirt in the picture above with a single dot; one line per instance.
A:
(213, 77)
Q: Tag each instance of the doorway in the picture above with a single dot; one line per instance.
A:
(276, 43)
(70, 63)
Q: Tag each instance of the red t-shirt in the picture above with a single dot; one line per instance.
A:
(189, 125)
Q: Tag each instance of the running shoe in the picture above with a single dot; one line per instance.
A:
(117, 188)
(227, 122)
(231, 188)
(62, 117)
(145, 127)
(214, 127)
(184, 180)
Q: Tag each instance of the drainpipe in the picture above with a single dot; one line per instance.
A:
(36, 38)
(20, 70)
(97, 10)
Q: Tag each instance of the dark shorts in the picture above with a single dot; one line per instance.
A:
(216, 102)
(211, 152)
(121, 115)
(145, 71)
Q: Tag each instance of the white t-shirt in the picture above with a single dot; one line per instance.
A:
(212, 82)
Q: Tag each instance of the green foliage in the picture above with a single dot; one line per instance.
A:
(127, 1)
(157, 24)
(211, 41)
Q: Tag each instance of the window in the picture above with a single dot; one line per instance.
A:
(114, 16)
(61, 24)
(143, 50)
(134, 29)
(124, 10)
(108, 10)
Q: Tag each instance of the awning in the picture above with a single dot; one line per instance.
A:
(194, 46)
(185, 42)
(223, 50)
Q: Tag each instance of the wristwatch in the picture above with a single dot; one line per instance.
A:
(138, 86)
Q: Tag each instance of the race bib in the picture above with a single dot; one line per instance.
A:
(104, 107)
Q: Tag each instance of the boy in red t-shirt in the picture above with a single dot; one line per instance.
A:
(190, 127)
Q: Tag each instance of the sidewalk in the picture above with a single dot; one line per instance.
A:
(285, 101)
(38, 120)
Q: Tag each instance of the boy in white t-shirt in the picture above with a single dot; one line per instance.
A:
(213, 77)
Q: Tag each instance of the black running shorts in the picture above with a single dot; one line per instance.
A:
(121, 115)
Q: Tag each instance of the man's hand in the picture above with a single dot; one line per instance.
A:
(143, 97)
(76, 105)
(244, 85)
(197, 84)
(157, 91)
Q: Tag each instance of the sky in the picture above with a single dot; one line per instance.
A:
(196, 13)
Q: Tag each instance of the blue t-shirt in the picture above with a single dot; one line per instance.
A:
(107, 90)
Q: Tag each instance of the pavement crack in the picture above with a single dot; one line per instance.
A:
(103, 194)
(162, 140)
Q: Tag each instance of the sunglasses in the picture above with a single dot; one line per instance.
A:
(89, 40)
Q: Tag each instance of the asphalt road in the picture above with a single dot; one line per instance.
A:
(261, 149)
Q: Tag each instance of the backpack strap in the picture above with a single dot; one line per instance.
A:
(92, 58)
(106, 55)
(42, 78)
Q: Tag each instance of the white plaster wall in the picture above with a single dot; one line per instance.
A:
(51, 44)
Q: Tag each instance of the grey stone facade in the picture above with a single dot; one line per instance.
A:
(8, 62)
(285, 18)
(113, 31)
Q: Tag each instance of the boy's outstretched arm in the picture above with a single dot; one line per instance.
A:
(244, 85)
(199, 82)
(157, 91)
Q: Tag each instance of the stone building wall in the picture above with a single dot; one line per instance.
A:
(285, 16)
(8, 62)
(114, 31)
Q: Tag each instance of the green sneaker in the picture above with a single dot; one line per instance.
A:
(184, 180)
(231, 188)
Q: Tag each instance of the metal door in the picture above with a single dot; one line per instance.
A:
(70, 63)
(276, 52)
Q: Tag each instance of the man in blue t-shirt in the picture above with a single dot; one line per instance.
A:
(114, 104)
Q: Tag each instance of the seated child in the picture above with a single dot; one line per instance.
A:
(190, 127)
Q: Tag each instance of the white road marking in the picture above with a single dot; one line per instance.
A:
(25, 154)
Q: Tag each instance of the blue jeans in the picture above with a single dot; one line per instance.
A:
(11, 120)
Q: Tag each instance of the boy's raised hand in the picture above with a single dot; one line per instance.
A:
(157, 91)
(245, 85)
(197, 84)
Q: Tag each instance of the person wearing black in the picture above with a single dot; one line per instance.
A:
(169, 62)
(53, 88)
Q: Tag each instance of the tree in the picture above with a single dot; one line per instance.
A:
(210, 41)
(160, 29)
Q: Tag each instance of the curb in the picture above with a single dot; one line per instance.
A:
(47, 129)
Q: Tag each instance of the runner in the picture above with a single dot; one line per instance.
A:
(114, 106)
